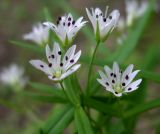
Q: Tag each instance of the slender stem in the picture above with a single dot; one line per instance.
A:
(63, 90)
(90, 67)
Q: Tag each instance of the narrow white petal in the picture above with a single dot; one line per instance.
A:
(103, 76)
(40, 65)
(74, 59)
(131, 76)
(57, 52)
(70, 71)
(127, 71)
(50, 25)
(102, 82)
(93, 21)
(133, 86)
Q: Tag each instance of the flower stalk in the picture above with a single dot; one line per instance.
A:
(90, 67)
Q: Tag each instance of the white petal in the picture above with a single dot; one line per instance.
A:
(75, 59)
(57, 52)
(50, 25)
(93, 21)
(103, 76)
(131, 76)
(70, 71)
(49, 54)
(118, 94)
(127, 71)
(104, 83)
(40, 65)
(133, 86)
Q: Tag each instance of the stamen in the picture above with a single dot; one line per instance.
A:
(52, 56)
(66, 58)
(63, 23)
(69, 23)
(116, 92)
(123, 84)
(127, 77)
(73, 22)
(71, 61)
(111, 74)
(113, 81)
(110, 17)
(60, 53)
(50, 64)
(114, 75)
(59, 18)
(107, 83)
(104, 19)
(61, 64)
(69, 19)
(96, 16)
(129, 89)
(41, 66)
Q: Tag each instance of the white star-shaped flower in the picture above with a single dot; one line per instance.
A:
(13, 76)
(66, 28)
(117, 82)
(39, 34)
(102, 24)
(58, 68)
(134, 10)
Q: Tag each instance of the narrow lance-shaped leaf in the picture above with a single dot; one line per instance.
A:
(82, 122)
(24, 45)
(61, 114)
(142, 108)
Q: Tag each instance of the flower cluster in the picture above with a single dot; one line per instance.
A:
(62, 62)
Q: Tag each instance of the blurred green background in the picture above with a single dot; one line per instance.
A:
(17, 18)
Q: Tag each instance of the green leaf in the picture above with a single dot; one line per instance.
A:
(82, 122)
(101, 107)
(43, 88)
(71, 92)
(44, 98)
(129, 45)
(63, 123)
(59, 120)
(34, 48)
(142, 108)
(150, 75)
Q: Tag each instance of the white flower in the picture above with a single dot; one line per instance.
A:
(117, 82)
(102, 24)
(66, 28)
(39, 34)
(58, 68)
(134, 10)
(13, 76)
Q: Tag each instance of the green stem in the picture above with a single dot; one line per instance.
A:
(63, 90)
(90, 68)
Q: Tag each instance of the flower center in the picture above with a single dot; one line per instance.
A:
(57, 74)
(118, 89)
